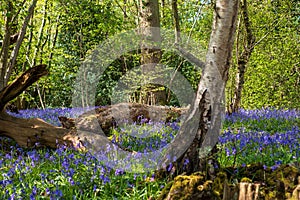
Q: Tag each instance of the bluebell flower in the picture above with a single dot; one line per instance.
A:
(170, 167)
(12, 197)
(58, 193)
(48, 191)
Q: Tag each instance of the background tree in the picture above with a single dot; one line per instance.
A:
(9, 54)
(243, 53)
(272, 76)
(58, 45)
(150, 55)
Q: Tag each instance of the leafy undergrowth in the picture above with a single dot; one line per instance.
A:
(268, 138)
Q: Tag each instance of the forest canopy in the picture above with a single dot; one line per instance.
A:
(62, 33)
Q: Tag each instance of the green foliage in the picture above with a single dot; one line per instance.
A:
(125, 73)
(90, 23)
(272, 76)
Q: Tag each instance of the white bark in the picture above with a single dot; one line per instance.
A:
(210, 93)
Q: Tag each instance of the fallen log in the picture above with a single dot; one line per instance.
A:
(31, 132)
(14, 89)
(36, 132)
(114, 115)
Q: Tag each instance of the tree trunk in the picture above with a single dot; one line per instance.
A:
(203, 122)
(176, 21)
(243, 58)
(4, 53)
(150, 52)
(7, 64)
(15, 52)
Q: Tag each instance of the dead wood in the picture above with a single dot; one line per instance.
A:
(36, 132)
(31, 132)
(21, 83)
(114, 115)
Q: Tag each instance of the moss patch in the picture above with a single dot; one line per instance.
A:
(274, 184)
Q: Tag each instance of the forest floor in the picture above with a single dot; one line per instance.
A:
(257, 146)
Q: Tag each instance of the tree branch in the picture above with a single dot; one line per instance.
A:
(20, 84)
(190, 57)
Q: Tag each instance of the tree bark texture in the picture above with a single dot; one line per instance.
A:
(210, 99)
(209, 107)
(149, 12)
(150, 51)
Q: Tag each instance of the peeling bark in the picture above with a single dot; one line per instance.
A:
(203, 122)
(208, 107)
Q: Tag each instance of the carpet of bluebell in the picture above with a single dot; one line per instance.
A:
(267, 136)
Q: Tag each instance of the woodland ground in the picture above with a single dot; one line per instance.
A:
(268, 137)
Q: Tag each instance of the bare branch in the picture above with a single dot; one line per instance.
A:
(190, 57)
(20, 84)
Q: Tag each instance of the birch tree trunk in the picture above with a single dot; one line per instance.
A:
(203, 123)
